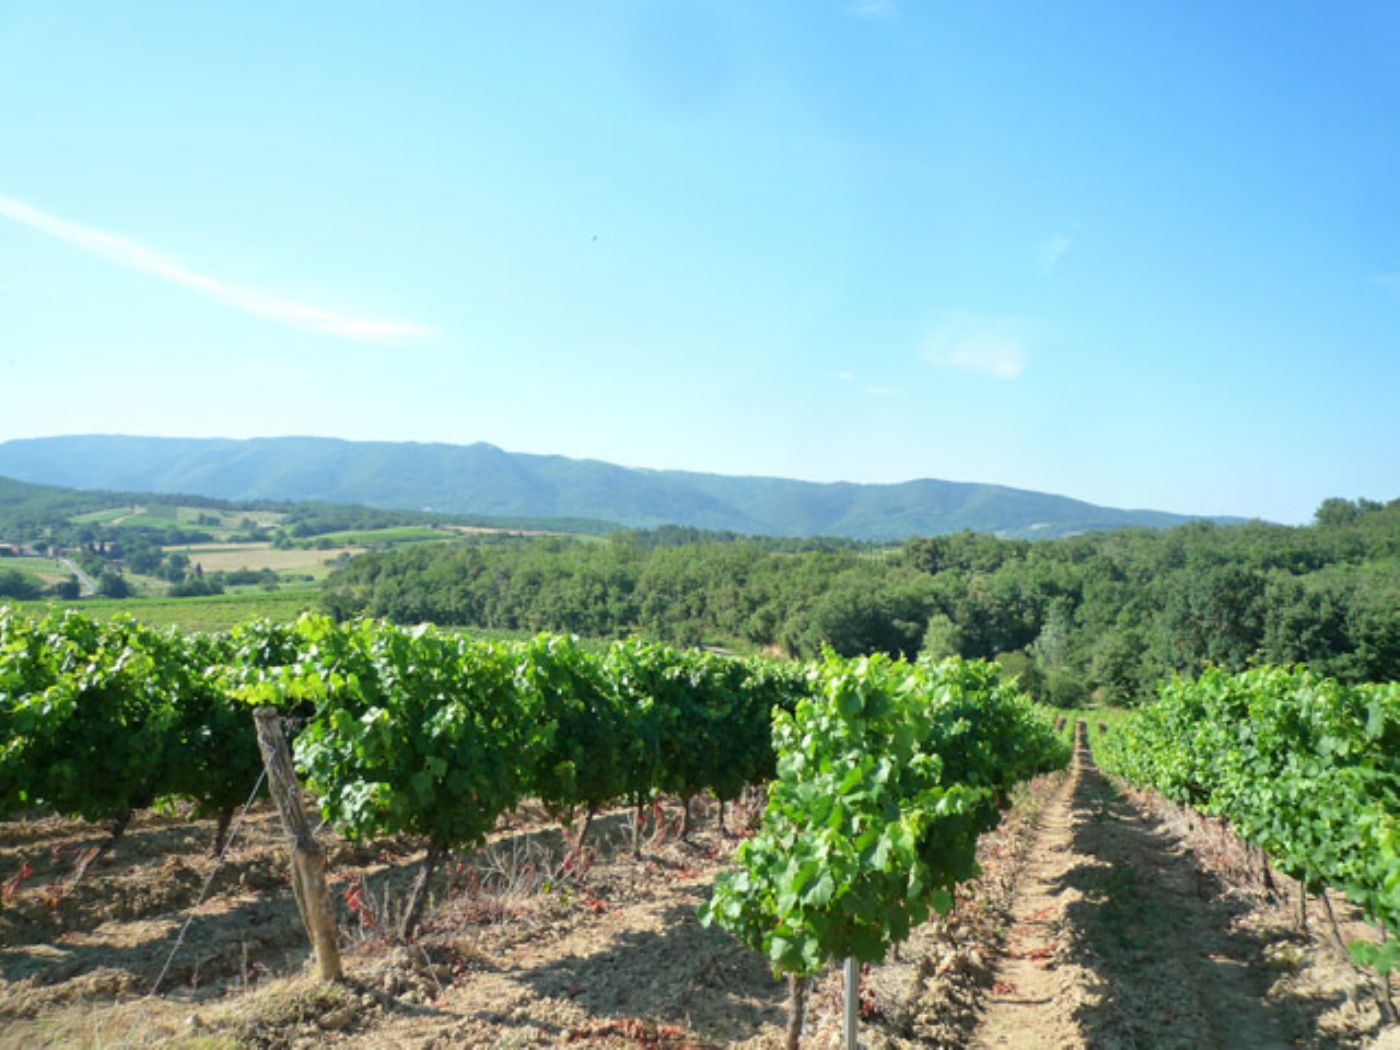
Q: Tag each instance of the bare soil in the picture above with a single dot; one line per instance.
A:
(1138, 924)
(1100, 919)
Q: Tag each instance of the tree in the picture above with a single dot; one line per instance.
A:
(1212, 615)
(112, 584)
(1336, 513)
(196, 586)
(16, 584)
(1059, 681)
(174, 567)
(144, 560)
(1116, 666)
(855, 619)
(942, 638)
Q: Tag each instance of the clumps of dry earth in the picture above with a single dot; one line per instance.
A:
(1308, 973)
(524, 946)
(1100, 919)
(1138, 924)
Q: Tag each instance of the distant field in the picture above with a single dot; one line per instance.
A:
(145, 519)
(393, 535)
(169, 515)
(474, 530)
(215, 613)
(106, 517)
(256, 556)
(228, 519)
(147, 586)
(45, 569)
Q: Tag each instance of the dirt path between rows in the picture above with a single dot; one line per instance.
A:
(1119, 939)
(1032, 1000)
(1102, 917)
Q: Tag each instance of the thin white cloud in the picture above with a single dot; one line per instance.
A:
(993, 346)
(1054, 248)
(248, 300)
(1389, 281)
(872, 9)
(845, 377)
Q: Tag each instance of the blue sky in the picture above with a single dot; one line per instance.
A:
(1144, 254)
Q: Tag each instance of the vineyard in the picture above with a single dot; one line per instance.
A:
(1305, 770)
(543, 842)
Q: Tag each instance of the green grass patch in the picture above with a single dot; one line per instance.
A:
(213, 613)
(106, 517)
(379, 537)
(219, 523)
(146, 520)
(46, 569)
(215, 548)
(230, 520)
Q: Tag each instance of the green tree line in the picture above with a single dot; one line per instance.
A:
(1105, 614)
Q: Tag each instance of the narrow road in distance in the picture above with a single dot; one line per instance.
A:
(84, 580)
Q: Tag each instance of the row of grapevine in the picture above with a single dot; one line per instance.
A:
(433, 734)
(99, 720)
(886, 775)
(1302, 767)
(417, 731)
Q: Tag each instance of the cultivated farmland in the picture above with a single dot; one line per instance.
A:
(298, 561)
(594, 819)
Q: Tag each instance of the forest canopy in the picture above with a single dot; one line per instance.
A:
(1106, 614)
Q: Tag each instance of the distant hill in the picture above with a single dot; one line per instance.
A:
(29, 510)
(482, 479)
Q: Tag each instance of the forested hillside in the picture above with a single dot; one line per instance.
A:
(65, 516)
(481, 479)
(1107, 613)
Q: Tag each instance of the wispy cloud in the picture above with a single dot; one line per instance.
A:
(1054, 248)
(873, 9)
(249, 300)
(1388, 281)
(845, 377)
(994, 346)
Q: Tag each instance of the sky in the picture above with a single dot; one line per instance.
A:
(1144, 254)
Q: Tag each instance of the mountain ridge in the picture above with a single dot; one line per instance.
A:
(482, 478)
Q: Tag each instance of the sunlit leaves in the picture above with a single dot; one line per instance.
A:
(1303, 767)
(886, 774)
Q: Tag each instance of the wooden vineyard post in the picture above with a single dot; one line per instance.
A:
(308, 859)
(797, 1010)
